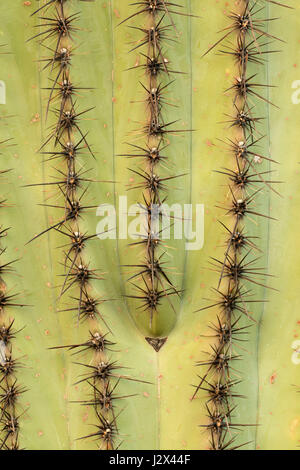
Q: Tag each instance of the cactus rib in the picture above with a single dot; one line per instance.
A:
(152, 280)
(69, 142)
(238, 271)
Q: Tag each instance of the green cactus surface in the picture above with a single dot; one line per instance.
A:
(114, 335)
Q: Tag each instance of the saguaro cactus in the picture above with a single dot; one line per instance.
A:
(149, 238)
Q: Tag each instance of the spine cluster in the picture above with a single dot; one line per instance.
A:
(151, 279)
(67, 146)
(238, 270)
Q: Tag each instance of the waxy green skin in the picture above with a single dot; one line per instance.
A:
(162, 416)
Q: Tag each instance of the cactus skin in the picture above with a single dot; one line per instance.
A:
(58, 423)
(278, 366)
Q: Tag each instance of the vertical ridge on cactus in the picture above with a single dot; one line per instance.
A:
(152, 282)
(238, 272)
(67, 141)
